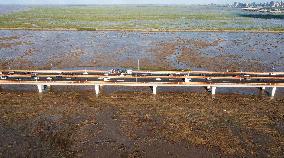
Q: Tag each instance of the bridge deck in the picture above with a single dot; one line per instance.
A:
(139, 84)
(142, 78)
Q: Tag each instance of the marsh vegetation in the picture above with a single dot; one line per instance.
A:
(141, 17)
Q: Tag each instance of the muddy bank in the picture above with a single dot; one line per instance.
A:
(73, 124)
(22, 49)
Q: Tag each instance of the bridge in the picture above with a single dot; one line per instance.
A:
(210, 80)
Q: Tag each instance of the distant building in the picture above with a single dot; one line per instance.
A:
(271, 4)
(275, 7)
(239, 5)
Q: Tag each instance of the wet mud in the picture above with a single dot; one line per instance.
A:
(234, 51)
(72, 124)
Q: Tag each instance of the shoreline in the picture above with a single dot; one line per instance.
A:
(140, 30)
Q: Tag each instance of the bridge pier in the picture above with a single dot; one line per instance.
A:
(97, 89)
(40, 88)
(154, 88)
(273, 91)
(213, 90)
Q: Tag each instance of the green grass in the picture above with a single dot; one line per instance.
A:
(121, 17)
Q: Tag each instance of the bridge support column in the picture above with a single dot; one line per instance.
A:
(154, 89)
(273, 91)
(208, 88)
(97, 89)
(213, 90)
(40, 88)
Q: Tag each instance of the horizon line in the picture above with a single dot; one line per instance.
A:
(114, 3)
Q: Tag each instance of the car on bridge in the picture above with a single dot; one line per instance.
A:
(3, 77)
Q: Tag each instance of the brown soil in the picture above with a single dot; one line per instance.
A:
(9, 42)
(79, 124)
(9, 45)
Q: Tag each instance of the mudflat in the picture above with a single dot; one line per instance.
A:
(123, 124)
(216, 51)
(185, 122)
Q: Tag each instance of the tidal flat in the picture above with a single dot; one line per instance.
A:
(79, 124)
(69, 121)
(216, 51)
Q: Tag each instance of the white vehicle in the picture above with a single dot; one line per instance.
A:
(35, 78)
(106, 79)
(187, 80)
(3, 77)
(49, 78)
(158, 79)
(85, 72)
(129, 72)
